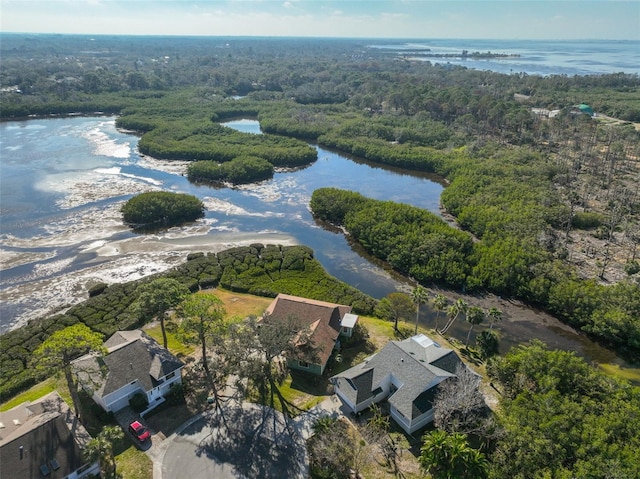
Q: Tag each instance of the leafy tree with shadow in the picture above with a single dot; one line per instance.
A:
(203, 324)
(161, 208)
(475, 315)
(157, 297)
(256, 353)
(395, 306)
(449, 456)
(440, 302)
(58, 351)
(419, 296)
(100, 449)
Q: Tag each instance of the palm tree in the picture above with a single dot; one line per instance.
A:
(475, 315)
(495, 315)
(453, 311)
(418, 296)
(448, 456)
(487, 341)
(440, 302)
(100, 449)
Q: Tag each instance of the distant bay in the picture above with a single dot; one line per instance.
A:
(533, 57)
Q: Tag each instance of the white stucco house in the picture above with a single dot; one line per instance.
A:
(134, 363)
(405, 373)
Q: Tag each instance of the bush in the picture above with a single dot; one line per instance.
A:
(97, 289)
(175, 396)
(632, 267)
(587, 220)
(138, 402)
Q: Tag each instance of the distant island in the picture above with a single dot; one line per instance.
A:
(464, 54)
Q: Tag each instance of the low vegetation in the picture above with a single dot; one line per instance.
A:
(243, 169)
(161, 209)
(257, 269)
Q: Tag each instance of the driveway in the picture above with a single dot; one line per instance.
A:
(244, 442)
(247, 442)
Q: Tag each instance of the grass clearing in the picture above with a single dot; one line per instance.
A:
(41, 389)
(241, 305)
(174, 345)
(133, 463)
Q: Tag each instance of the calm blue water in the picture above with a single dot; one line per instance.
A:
(537, 57)
(63, 181)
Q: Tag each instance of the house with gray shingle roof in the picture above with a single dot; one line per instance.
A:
(405, 373)
(134, 363)
(325, 322)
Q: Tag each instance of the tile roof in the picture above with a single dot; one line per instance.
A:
(322, 318)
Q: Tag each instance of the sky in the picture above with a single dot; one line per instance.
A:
(490, 19)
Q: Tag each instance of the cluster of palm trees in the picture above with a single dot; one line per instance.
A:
(474, 315)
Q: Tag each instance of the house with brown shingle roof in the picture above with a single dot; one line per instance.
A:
(43, 438)
(324, 322)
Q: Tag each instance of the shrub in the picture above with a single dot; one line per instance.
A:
(587, 220)
(175, 395)
(632, 267)
(97, 289)
(138, 402)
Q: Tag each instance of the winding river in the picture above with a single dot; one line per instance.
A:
(63, 181)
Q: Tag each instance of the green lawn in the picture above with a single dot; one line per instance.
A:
(174, 345)
(132, 463)
(630, 374)
(39, 390)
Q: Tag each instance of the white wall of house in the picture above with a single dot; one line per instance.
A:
(411, 426)
(120, 398)
(167, 382)
(86, 470)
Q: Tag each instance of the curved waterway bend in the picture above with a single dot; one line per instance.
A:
(520, 324)
(63, 181)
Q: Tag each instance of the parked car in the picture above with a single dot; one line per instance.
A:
(140, 432)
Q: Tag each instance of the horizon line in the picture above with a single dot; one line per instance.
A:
(317, 37)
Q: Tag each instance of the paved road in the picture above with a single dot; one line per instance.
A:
(254, 442)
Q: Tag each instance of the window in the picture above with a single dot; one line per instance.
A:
(303, 364)
(171, 375)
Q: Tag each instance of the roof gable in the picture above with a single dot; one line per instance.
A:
(132, 356)
(321, 318)
(415, 366)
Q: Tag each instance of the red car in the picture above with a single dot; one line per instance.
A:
(140, 432)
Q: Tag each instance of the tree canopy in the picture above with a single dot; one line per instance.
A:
(161, 208)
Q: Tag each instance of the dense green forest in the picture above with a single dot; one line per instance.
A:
(561, 418)
(544, 207)
(256, 269)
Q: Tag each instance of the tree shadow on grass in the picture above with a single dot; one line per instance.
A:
(309, 384)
